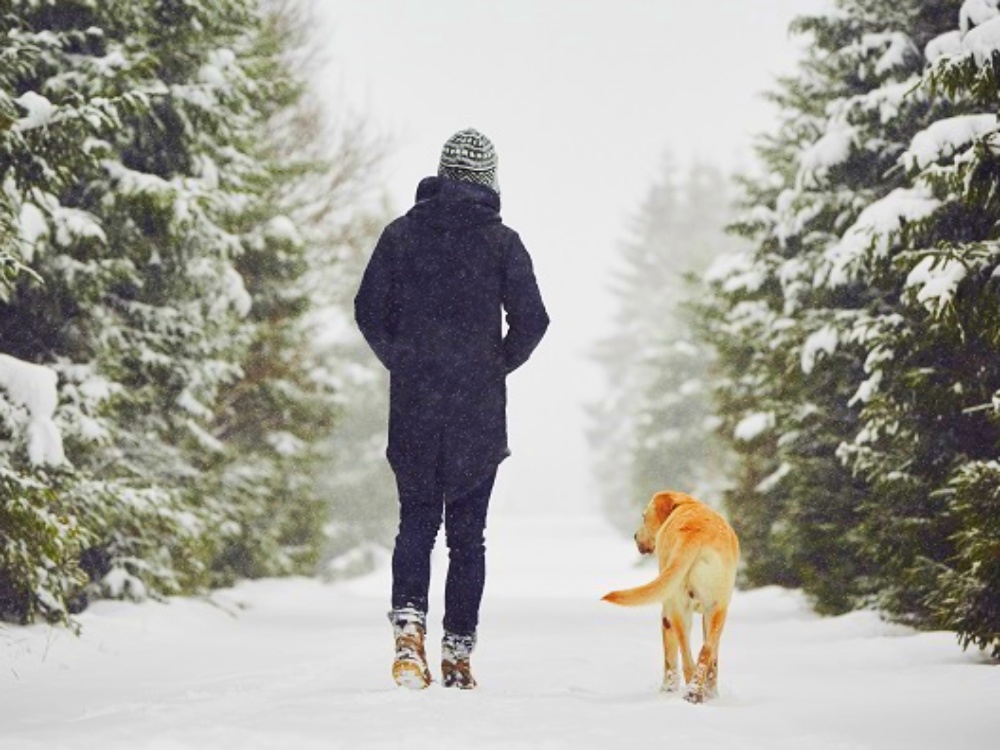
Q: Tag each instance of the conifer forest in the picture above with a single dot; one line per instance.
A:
(180, 221)
(849, 399)
(811, 343)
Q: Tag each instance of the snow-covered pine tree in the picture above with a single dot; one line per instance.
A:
(931, 426)
(674, 444)
(652, 430)
(144, 177)
(64, 93)
(303, 230)
(41, 539)
(637, 282)
(15, 58)
(793, 354)
(869, 306)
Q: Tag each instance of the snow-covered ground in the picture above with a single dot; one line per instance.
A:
(298, 664)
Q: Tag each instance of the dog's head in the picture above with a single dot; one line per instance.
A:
(657, 511)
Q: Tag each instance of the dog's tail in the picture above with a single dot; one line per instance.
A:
(664, 585)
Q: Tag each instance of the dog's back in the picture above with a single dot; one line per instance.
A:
(698, 552)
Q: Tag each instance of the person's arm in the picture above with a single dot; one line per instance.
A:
(527, 319)
(373, 303)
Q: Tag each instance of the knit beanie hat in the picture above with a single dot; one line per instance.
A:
(469, 155)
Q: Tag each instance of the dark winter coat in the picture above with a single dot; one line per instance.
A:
(430, 308)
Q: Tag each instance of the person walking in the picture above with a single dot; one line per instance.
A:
(431, 306)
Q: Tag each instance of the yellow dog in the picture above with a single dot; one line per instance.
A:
(698, 553)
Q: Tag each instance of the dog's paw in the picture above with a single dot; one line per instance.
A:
(671, 682)
(700, 694)
(695, 695)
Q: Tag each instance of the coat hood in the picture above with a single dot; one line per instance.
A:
(447, 204)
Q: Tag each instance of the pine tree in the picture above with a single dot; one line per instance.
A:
(862, 329)
(932, 427)
(653, 430)
(793, 352)
(154, 204)
(278, 418)
(71, 89)
(15, 59)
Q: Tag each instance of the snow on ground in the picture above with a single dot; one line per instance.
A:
(298, 664)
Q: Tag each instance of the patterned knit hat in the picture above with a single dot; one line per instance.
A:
(469, 155)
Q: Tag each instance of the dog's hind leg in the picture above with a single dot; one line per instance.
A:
(671, 674)
(704, 685)
(712, 680)
(682, 624)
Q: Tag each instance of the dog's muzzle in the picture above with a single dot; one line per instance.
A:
(643, 550)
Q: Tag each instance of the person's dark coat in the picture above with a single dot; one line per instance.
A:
(430, 306)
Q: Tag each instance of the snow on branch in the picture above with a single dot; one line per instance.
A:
(976, 12)
(983, 40)
(34, 387)
(898, 48)
(965, 64)
(834, 148)
(978, 34)
(874, 230)
(31, 227)
(40, 111)
(945, 138)
(824, 340)
(282, 229)
(735, 272)
(937, 280)
(949, 43)
(753, 425)
(894, 49)
(72, 224)
(772, 480)
(887, 100)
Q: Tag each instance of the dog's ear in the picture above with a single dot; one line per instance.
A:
(663, 506)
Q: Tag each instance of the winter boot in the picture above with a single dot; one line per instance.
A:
(455, 652)
(410, 666)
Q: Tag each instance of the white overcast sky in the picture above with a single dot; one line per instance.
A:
(581, 98)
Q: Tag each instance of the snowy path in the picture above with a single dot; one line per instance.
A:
(297, 664)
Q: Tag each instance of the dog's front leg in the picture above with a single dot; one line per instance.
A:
(671, 675)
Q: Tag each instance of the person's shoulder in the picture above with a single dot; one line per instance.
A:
(510, 238)
(396, 229)
(399, 224)
(504, 232)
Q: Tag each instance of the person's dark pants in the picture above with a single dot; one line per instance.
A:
(420, 517)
